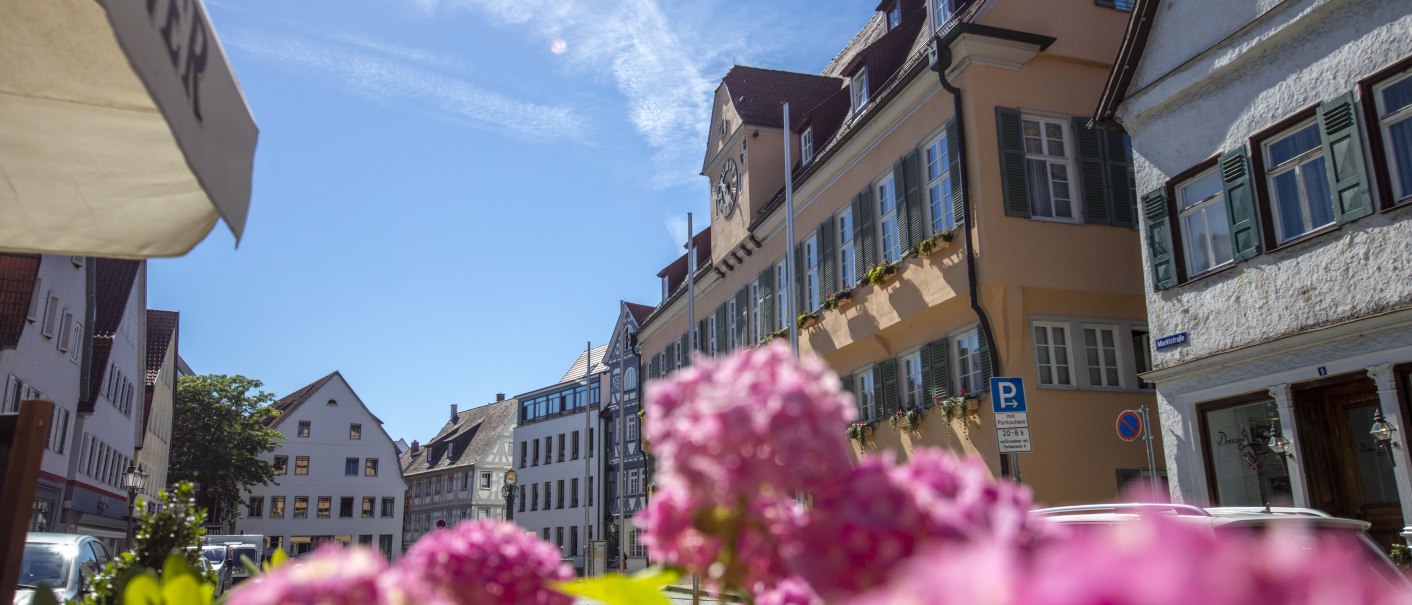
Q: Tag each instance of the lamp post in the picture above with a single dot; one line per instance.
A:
(508, 491)
(135, 480)
(1382, 431)
(1278, 444)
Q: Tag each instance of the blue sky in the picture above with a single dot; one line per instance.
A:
(450, 196)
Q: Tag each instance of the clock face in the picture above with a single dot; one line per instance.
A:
(727, 188)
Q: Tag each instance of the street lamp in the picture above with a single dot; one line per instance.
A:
(508, 491)
(1278, 444)
(135, 480)
(1383, 431)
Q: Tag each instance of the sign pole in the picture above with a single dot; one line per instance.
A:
(1015, 464)
(1151, 463)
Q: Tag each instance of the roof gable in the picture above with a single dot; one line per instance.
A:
(113, 281)
(161, 332)
(17, 275)
(291, 402)
(472, 436)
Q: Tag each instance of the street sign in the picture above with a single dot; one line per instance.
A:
(1167, 342)
(1129, 425)
(1013, 440)
(1012, 420)
(1007, 394)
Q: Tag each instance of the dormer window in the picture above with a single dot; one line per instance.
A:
(894, 16)
(941, 12)
(665, 291)
(806, 146)
(858, 84)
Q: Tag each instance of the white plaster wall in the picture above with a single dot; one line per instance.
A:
(327, 446)
(1298, 54)
(155, 455)
(536, 521)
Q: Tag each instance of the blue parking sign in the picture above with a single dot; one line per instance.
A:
(1007, 394)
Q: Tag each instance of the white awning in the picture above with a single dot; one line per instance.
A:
(123, 132)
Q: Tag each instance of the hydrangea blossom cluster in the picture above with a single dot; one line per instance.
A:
(331, 576)
(749, 423)
(479, 563)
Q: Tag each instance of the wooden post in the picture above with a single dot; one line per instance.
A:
(22, 439)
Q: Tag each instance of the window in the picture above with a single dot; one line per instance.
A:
(1206, 230)
(634, 485)
(939, 184)
(574, 455)
(77, 349)
(387, 506)
(34, 299)
(345, 507)
(301, 465)
(941, 12)
(886, 193)
(590, 493)
(1142, 355)
(806, 146)
(536, 452)
(563, 447)
(333, 402)
(1101, 349)
(355, 431)
(573, 539)
(781, 296)
(276, 507)
(1122, 5)
(303, 428)
(865, 395)
(559, 503)
(732, 324)
(51, 316)
(912, 380)
(1047, 164)
(632, 428)
(845, 247)
(301, 507)
(574, 493)
(636, 548)
(894, 16)
(368, 507)
(1393, 103)
(967, 349)
(325, 507)
(858, 87)
(370, 467)
(1297, 182)
(523, 457)
(65, 334)
(1051, 350)
(485, 480)
(1244, 471)
(711, 346)
(559, 538)
(255, 508)
(522, 498)
(630, 376)
(350, 467)
(811, 273)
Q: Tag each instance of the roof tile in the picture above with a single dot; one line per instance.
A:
(17, 275)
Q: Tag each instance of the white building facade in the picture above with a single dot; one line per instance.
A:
(338, 478)
(1274, 162)
(459, 473)
(559, 460)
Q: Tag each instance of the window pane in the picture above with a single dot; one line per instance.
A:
(1316, 186)
(1244, 468)
(1283, 150)
(1397, 96)
(1400, 152)
(1204, 187)
(1054, 133)
(1033, 143)
(1040, 203)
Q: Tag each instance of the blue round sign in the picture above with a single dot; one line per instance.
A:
(1129, 425)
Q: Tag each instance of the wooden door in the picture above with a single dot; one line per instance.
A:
(1347, 474)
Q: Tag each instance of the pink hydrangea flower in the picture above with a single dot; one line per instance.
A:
(681, 529)
(756, 421)
(790, 591)
(479, 562)
(334, 575)
(883, 514)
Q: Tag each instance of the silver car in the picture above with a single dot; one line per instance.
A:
(63, 562)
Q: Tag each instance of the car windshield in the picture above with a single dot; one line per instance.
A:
(47, 563)
(215, 555)
(237, 553)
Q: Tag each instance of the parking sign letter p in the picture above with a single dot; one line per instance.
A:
(1007, 395)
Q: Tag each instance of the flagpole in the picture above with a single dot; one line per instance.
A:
(789, 262)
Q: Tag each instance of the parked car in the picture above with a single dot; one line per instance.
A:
(1319, 525)
(238, 572)
(63, 562)
(216, 556)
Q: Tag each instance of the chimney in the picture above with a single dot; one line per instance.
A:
(416, 447)
(500, 397)
(453, 413)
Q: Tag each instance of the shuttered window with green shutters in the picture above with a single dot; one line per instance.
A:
(795, 307)
(885, 386)
(970, 362)
(1159, 239)
(765, 293)
(1240, 204)
(907, 176)
(1014, 180)
(1343, 144)
(941, 167)
(936, 371)
(1105, 175)
(742, 319)
(864, 237)
(828, 260)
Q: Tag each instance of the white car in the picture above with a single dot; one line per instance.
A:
(63, 562)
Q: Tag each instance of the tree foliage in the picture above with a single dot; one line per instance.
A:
(218, 436)
(164, 540)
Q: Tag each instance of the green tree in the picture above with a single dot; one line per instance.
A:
(219, 433)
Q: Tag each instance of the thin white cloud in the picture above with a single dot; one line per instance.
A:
(676, 229)
(669, 98)
(387, 80)
(410, 54)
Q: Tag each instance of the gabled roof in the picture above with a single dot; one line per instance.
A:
(1125, 65)
(113, 281)
(463, 442)
(758, 94)
(576, 371)
(639, 312)
(17, 275)
(161, 329)
(292, 401)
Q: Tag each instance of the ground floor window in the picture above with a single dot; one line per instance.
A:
(1243, 470)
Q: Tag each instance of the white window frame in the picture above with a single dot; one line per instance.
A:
(889, 235)
(1053, 348)
(1298, 165)
(806, 145)
(941, 12)
(894, 16)
(711, 330)
(51, 315)
(937, 167)
(1105, 364)
(858, 89)
(1050, 161)
(76, 347)
(864, 390)
(1137, 355)
(910, 363)
(782, 296)
(34, 299)
(66, 330)
(1386, 121)
(753, 292)
(1207, 209)
(811, 274)
(967, 367)
(847, 256)
(732, 324)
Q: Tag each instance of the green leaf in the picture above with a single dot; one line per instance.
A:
(142, 589)
(44, 595)
(250, 566)
(276, 559)
(185, 590)
(644, 587)
(174, 568)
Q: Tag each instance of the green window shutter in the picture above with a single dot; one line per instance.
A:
(987, 370)
(1122, 191)
(864, 235)
(1107, 3)
(953, 160)
(889, 387)
(797, 306)
(723, 343)
(703, 328)
(1159, 239)
(940, 375)
(847, 380)
(828, 261)
(1014, 180)
(684, 351)
(742, 318)
(928, 386)
(670, 363)
(765, 286)
(1093, 184)
(1240, 203)
(907, 178)
(1343, 152)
